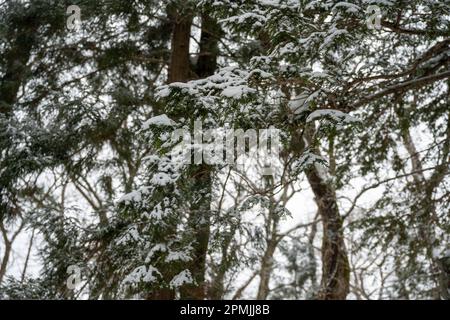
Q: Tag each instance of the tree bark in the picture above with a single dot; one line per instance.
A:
(8, 247)
(5, 260)
(179, 67)
(335, 266)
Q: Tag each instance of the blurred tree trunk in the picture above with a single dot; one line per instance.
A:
(266, 268)
(21, 42)
(5, 258)
(426, 215)
(199, 215)
(273, 237)
(179, 71)
(8, 242)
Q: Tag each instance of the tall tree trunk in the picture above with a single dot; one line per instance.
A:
(200, 211)
(179, 71)
(199, 215)
(335, 283)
